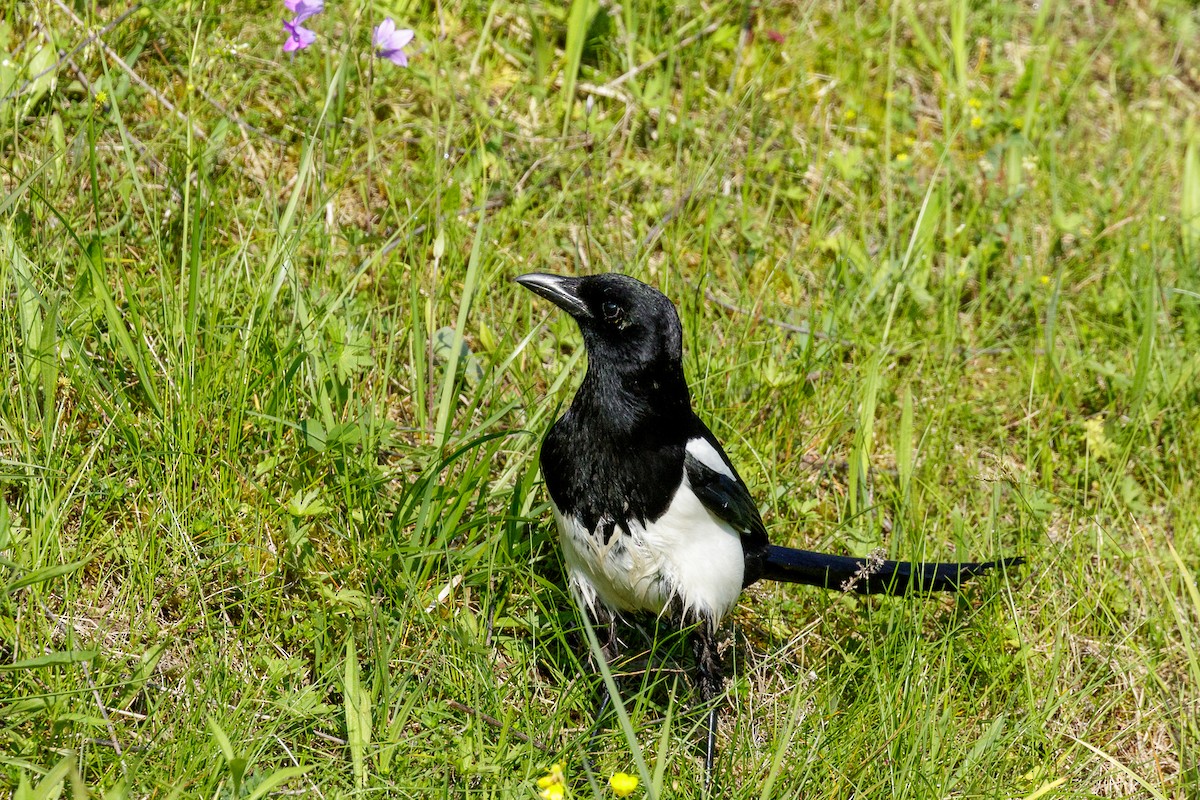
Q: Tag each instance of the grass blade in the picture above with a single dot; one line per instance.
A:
(1145, 351)
(450, 373)
(618, 704)
(51, 660)
(358, 714)
(1189, 198)
(579, 22)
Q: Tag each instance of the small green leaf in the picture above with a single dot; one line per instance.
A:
(42, 73)
(726, 37)
(277, 778)
(1099, 446)
(439, 245)
(314, 434)
(307, 504)
(344, 433)
(268, 464)
(443, 350)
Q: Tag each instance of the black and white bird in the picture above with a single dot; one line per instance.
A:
(651, 513)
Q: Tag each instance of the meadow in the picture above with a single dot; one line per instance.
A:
(271, 521)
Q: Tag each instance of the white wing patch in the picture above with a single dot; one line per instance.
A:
(703, 451)
(687, 558)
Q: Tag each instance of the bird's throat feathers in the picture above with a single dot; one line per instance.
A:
(628, 398)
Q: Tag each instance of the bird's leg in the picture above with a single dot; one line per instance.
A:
(709, 681)
(608, 642)
(598, 716)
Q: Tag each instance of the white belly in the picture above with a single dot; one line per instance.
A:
(686, 559)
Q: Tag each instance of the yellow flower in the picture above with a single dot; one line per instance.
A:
(901, 158)
(622, 784)
(1044, 280)
(100, 100)
(553, 775)
(976, 122)
(849, 114)
(975, 103)
(553, 786)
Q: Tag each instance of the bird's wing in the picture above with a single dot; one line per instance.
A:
(716, 483)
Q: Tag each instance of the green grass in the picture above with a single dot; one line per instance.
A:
(270, 516)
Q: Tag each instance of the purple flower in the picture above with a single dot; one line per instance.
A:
(303, 9)
(298, 37)
(389, 42)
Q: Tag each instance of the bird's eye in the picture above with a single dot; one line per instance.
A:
(611, 311)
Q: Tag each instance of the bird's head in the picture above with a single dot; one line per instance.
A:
(627, 326)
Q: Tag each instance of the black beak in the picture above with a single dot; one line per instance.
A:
(558, 289)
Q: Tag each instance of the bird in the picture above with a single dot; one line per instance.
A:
(651, 513)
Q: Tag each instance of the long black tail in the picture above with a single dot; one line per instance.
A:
(868, 575)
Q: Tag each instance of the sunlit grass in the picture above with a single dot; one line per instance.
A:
(270, 516)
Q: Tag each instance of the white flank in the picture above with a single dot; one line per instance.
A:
(703, 451)
(687, 555)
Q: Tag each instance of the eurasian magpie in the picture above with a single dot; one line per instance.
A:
(652, 515)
